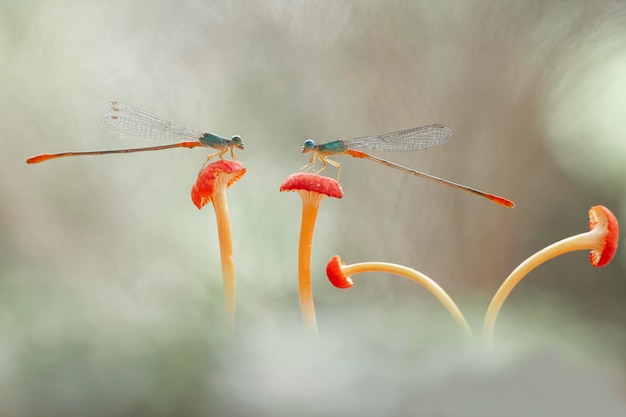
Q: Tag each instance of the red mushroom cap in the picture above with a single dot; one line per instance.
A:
(602, 219)
(214, 176)
(304, 181)
(334, 272)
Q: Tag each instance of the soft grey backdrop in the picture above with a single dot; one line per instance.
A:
(109, 276)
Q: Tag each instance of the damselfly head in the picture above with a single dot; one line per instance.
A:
(237, 142)
(309, 144)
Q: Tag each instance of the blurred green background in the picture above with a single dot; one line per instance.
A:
(110, 283)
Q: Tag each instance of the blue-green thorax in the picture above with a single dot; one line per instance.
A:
(330, 148)
(220, 142)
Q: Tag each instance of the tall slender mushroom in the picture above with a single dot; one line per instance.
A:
(210, 186)
(313, 189)
(339, 274)
(601, 239)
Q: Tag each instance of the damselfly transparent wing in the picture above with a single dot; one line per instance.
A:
(132, 123)
(408, 140)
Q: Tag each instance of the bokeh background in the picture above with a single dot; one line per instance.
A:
(110, 283)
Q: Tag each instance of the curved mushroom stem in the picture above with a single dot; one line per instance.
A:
(579, 242)
(220, 205)
(309, 215)
(347, 270)
(601, 240)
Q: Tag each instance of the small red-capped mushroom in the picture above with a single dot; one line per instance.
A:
(215, 178)
(339, 274)
(312, 189)
(601, 240)
(336, 275)
(603, 222)
(210, 186)
(319, 185)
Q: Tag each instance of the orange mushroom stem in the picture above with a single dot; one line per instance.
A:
(601, 240)
(210, 186)
(340, 274)
(312, 189)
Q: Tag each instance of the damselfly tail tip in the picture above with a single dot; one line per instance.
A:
(39, 158)
(501, 200)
